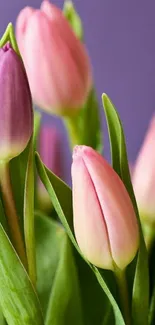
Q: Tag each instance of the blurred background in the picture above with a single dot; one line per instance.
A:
(120, 37)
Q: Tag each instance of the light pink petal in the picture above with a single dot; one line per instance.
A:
(116, 206)
(144, 174)
(90, 229)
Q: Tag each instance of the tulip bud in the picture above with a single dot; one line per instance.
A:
(105, 224)
(144, 176)
(56, 62)
(16, 117)
(50, 152)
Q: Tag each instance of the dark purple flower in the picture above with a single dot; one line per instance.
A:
(16, 115)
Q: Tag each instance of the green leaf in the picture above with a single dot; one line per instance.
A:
(152, 309)
(90, 123)
(2, 320)
(3, 221)
(49, 238)
(55, 263)
(94, 301)
(140, 297)
(18, 167)
(5, 37)
(9, 36)
(73, 18)
(61, 197)
(65, 304)
(18, 300)
(29, 216)
(85, 127)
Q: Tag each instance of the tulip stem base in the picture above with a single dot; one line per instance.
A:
(123, 292)
(10, 211)
(73, 130)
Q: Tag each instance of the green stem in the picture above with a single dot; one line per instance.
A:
(73, 130)
(10, 211)
(124, 298)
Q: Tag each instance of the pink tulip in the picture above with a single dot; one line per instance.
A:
(144, 175)
(105, 224)
(56, 62)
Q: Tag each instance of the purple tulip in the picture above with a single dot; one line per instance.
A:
(16, 116)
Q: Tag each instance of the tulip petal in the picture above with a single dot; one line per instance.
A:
(91, 232)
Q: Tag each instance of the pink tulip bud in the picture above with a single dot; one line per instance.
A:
(56, 62)
(105, 224)
(144, 175)
(51, 154)
(16, 117)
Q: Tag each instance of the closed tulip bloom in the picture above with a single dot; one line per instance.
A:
(105, 224)
(56, 62)
(144, 176)
(16, 117)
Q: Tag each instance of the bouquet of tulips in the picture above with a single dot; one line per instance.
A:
(80, 256)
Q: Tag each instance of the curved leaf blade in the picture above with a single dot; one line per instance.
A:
(29, 216)
(140, 301)
(18, 299)
(65, 301)
(61, 197)
(49, 238)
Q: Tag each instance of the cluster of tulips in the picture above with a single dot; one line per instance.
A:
(84, 255)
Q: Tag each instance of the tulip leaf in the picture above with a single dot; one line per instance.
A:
(3, 220)
(55, 263)
(65, 301)
(89, 122)
(18, 166)
(140, 297)
(18, 299)
(9, 36)
(61, 197)
(73, 18)
(85, 127)
(2, 320)
(94, 301)
(152, 309)
(49, 238)
(5, 37)
(29, 216)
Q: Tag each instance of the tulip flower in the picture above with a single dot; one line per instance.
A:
(105, 224)
(16, 117)
(16, 126)
(50, 152)
(56, 61)
(144, 176)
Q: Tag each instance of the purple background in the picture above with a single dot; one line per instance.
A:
(120, 36)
